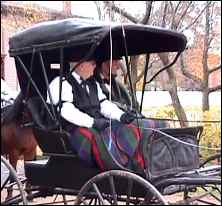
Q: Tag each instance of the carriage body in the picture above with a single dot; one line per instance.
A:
(58, 42)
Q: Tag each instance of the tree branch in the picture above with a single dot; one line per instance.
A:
(183, 14)
(195, 20)
(15, 19)
(188, 74)
(210, 39)
(146, 18)
(215, 69)
(206, 45)
(142, 73)
(98, 9)
(177, 7)
(171, 5)
(214, 88)
(175, 12)
(121, 11)
(164, 14)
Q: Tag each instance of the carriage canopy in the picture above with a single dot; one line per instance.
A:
(76, 37)
(79, 34)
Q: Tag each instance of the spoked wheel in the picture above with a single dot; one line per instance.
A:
(118, 187)
(209, 190)
(7, 173)
(209, 194)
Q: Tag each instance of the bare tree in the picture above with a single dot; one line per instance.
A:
(203, 83)
(134, 59)
(174, 22)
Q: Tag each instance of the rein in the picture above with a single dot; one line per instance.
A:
(110, 68)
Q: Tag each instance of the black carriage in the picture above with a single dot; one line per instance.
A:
(172, 163)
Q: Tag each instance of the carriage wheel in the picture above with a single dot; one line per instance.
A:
(209, 194)
(8, 171)
(103, 189)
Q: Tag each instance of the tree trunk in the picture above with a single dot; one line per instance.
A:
(134, 61)
(205, 100)
(178, 107)
(67, 8)
(173, 92)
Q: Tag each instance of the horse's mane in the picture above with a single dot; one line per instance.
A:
(13, 112)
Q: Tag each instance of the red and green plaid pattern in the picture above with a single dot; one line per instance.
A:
(82, 141)
(151, 123)
(107, 150)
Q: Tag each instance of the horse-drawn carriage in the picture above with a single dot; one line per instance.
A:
(171, 155)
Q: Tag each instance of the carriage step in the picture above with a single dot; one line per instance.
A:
(37, 162)
(172, 189)
(206, 171)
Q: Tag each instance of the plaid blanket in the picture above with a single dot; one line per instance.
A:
(117, 146)
(151, 123)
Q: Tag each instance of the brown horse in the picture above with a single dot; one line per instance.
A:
(16, 139)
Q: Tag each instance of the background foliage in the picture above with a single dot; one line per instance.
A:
(211, 136)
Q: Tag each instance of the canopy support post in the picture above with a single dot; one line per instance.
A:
(34, 85)
(31, 69)
(144, 80)
(47, 83)
(60, 84)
